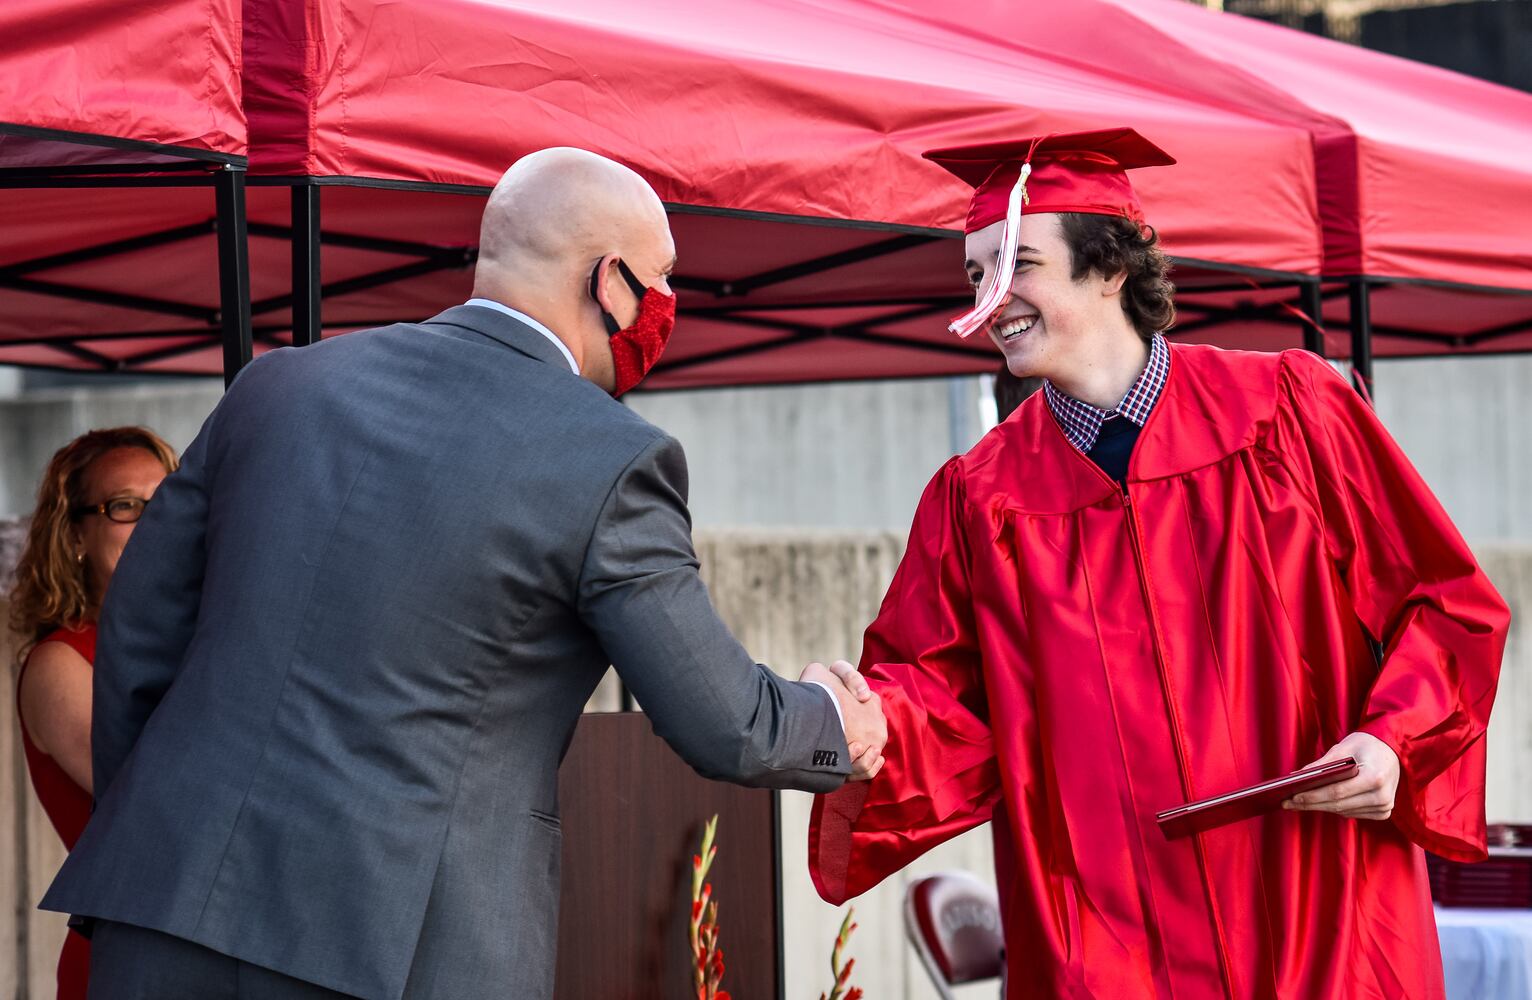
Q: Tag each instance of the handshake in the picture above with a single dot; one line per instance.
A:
(862, 711)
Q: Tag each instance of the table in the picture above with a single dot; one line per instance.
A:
(1486, 954)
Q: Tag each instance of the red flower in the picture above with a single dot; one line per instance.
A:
(707, 957)
(841, 972)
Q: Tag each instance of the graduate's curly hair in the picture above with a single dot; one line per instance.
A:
(51, 588)
(1108, 244)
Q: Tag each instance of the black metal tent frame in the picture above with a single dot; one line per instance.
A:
(156, 164)
(231, 325)
(235, 324)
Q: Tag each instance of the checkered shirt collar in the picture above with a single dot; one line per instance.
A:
(1081, 422)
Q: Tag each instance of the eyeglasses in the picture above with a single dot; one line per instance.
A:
(123, 510)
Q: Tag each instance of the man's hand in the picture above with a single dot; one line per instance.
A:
(862, 710)
(1369, 795)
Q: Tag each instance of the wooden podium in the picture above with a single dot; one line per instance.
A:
(633, 813)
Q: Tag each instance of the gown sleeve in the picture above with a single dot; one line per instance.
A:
(939, 777)
(1421, 594)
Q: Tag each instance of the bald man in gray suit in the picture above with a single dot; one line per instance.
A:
(347, 647)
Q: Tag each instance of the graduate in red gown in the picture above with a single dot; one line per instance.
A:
(1161, 579)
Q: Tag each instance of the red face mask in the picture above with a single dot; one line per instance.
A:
(636, 348)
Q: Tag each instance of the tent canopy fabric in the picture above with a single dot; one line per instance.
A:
(804, 109)
(1441, 188)
(164, 74)
(1419, 187)
(785, 135)
(1419, 172)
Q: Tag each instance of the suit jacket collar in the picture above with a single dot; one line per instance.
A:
(503, 329)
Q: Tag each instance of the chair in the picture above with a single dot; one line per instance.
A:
(953, 920)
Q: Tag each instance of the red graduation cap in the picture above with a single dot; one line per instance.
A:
(1070, 172)
(1063, 172)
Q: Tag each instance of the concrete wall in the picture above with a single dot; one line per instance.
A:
(1463, 422)
(1509, 789)
(35, 425)
(851, 456)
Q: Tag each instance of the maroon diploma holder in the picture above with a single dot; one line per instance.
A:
(1195, 817)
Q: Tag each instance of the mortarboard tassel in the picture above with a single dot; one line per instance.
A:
(999, 292)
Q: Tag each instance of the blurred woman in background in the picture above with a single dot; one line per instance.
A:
(91, 496)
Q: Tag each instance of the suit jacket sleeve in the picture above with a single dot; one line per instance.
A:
(150, 611)
(940, 776)
(727, 716)
(1420, 593)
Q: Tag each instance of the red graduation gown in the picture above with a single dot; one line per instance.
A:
(1067, 661)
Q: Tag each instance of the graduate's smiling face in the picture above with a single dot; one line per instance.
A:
(1051, 322)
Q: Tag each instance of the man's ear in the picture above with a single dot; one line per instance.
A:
(600, 283)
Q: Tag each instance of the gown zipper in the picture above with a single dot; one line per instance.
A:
(1135, 542)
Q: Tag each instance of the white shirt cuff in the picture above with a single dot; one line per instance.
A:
(834, 701)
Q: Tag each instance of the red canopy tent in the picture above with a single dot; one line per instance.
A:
(784, 135)
(1424, 200)
(95, 96)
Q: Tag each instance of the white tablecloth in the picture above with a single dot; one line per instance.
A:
(1486, 954)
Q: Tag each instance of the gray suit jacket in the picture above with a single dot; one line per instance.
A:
(347, 645)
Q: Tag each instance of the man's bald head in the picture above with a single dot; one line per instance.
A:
(557, 221)
(563, 204)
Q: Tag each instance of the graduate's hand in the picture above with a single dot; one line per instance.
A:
(862, 710)
(864, 763)
(1369, 795)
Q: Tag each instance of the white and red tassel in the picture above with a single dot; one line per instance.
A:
(999, 291)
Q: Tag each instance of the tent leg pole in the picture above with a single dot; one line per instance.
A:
(233, 270)
(1361, 334)
(305, 241)
(1313, 308)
